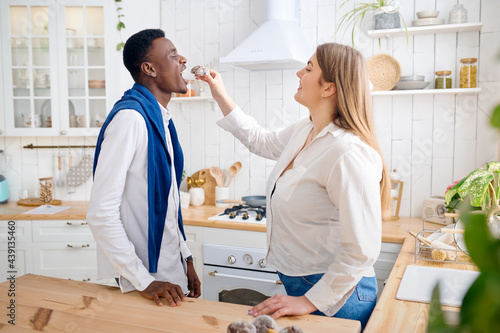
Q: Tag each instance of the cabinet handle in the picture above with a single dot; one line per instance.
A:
(84, 280)
(63, 132)
(76, 223)
(78, 246)
(215, 273)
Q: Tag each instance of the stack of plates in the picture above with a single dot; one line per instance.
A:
(411, 82)
(427, 17)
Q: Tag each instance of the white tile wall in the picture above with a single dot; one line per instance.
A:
(430, 140)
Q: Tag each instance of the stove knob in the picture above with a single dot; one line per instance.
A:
(262, 263)
(247, 258)
(231, 259)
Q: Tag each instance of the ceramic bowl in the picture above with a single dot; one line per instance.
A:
(428, 14)
(412, 78)
(410, 85)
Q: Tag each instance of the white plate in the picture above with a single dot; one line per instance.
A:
(427, 21)
(408, 85)
(428, 14)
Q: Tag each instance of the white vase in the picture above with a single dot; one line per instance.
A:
(197, 196)
(185, 199)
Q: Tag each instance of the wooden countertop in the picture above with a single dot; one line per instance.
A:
(392, 315)
(392, 231)
(56, 305)
(389, 314)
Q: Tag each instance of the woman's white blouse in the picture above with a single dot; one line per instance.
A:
(324, 214)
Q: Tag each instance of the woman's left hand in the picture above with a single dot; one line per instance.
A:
(281, 305)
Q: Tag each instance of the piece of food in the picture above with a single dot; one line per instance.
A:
(241, 327)
(262, 323)
(199, 70)
(292, 329)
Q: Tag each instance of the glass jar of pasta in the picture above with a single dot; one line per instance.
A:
(468, 73)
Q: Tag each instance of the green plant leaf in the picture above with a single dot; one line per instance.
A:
(495, 117)
(464, 189)
(436, 321)
(118, 0)
(478, 188)
(120, 46)
(454, 190)
(493, 166)
(120, 26)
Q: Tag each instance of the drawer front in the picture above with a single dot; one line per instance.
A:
(23, 263)
(65, 259)
(61, 230)
(22, 230)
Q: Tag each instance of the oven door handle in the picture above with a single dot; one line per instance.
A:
(215, 273)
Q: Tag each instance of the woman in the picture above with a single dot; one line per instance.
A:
(327, 192)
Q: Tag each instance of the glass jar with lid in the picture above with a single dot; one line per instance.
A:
(468, 73)
(458, 14)
(443, 80)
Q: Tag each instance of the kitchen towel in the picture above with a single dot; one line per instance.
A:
(139, 98)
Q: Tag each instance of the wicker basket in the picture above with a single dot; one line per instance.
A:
(384, 72)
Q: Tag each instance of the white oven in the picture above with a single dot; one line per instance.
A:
(238, 275)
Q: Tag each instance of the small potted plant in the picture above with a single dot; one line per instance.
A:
(386, 16)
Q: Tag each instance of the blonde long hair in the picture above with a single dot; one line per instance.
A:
(346, 68)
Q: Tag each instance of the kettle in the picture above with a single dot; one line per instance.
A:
(4, 187)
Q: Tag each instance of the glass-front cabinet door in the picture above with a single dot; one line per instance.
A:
(54, 60)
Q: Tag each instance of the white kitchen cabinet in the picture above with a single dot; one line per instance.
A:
(385, 262)
(23, 249)
(56, 60)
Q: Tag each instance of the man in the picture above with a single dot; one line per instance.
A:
(134, 211)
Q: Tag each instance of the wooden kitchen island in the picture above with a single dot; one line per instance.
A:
(57, 305)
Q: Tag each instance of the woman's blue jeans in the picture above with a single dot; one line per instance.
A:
(358, 307)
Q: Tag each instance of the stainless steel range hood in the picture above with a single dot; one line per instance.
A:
(277, 44)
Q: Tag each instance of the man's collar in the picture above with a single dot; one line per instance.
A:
(165, 112)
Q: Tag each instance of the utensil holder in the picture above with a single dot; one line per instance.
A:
(196, 196)
(221, 193)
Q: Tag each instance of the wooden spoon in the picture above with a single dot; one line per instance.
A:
(233, 170)
(216, 172)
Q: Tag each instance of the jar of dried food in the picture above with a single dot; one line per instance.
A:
(443, 80)
(458, 14)
(468, 73)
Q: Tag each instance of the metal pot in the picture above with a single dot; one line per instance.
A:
(251, 200)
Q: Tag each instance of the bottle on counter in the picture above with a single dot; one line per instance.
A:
(458, 14)
(443, 80)
(468, 73)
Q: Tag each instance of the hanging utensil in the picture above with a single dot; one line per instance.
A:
(59, 182)
(69, 188)
(233, 170)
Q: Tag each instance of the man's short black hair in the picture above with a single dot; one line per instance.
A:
(136, 49)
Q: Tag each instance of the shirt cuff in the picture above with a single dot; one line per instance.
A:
(233, 120)
(325, 299)
(185, 250)
(139, 282)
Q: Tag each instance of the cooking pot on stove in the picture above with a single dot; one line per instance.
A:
(251, 200)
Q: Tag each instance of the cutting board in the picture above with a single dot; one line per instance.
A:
(419, 281)
(208, 187)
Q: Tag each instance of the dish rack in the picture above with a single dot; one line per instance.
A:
(435, 245)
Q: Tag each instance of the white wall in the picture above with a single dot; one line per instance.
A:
(430, 140)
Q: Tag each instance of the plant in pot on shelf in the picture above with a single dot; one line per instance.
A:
(386, 16)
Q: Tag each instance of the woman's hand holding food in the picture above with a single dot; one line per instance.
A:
(219, 92)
